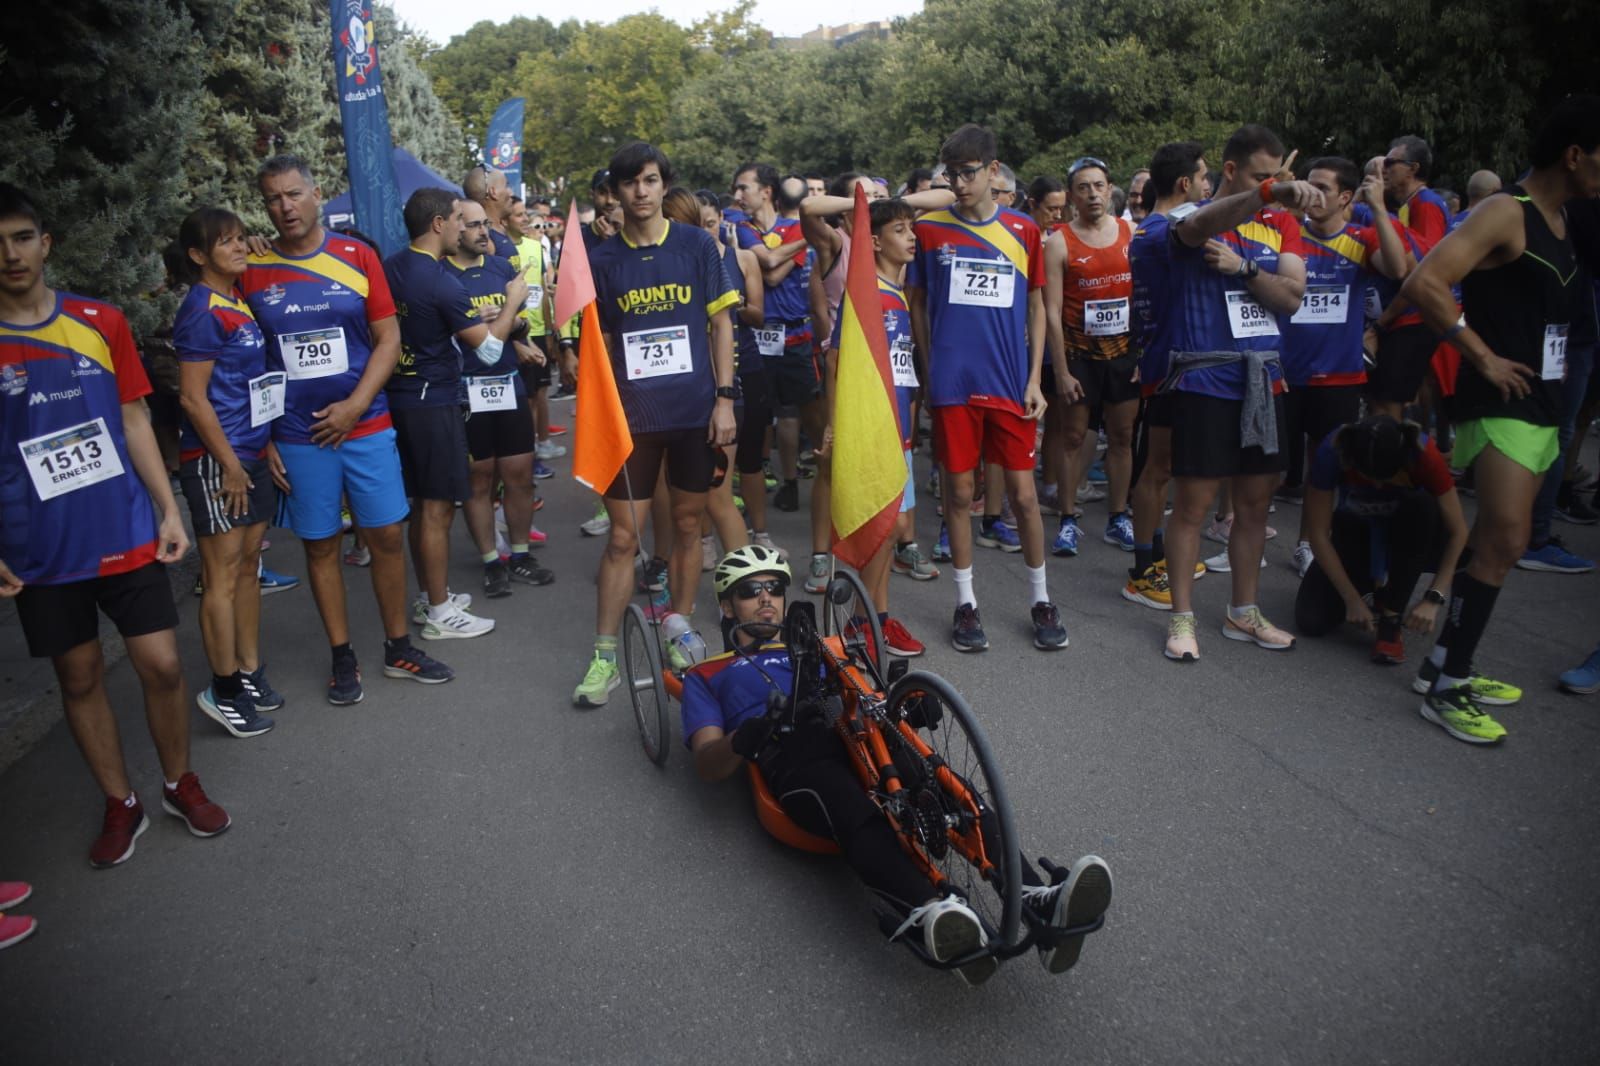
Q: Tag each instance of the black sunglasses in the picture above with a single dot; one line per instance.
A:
(750, 588)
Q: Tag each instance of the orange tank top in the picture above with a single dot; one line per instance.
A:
(1097, 296)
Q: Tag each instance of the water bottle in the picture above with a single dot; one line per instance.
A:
(675, 632)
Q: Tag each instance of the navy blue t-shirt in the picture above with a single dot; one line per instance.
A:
(485, 282)
(726, 690)
(433, 307)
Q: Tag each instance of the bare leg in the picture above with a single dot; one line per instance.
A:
(1251, 495)
(327, 584)
(1025, 506)
(1151, 492)
(430, 546)
(721, 512)
(516, 473)
(247, 601)
(220, 570)
(1119, 419)
(388, 580)
(1194, 497)
(958, 516)
(479, 509)
(614, 583)
(1074, 436)
(166, 709)
(81, 675)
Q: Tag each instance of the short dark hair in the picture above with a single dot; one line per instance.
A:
(883, 212)
(766, 174)
(917, 176)
(283, 164)
(1378, 446)
(812, 175)
(1417, 151)
(1043, 186)
(200, 231)
(425, 205)
(1172, 161)
(1249, 139)
(1345, 173)
(1574, 121)
(15, 203)
(970, 142)
(709, 199)
(845, 184)
(600, 179)
(631, 159)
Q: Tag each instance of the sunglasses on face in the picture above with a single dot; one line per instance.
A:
(754, 587)
(1393, 162)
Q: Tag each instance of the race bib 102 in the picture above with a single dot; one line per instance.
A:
(769, 342)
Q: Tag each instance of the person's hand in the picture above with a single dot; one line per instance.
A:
(529, 354)
(516, 291)
(1422, 617)
(1358, 614)
(1068, 389)
(1297, 195)
(337, 422)
(569, 368)
(257, 244)
(235, 494)
(1033, 402)
(1369, 341)
(280, 473)
(1512, 379)
(172, 543)
(723, 428)
(1221, 258)
(1372, 192)
(1286, 172)
(10, 583)
(752, 735)
(827, 440)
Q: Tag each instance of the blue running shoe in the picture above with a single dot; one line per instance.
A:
(344, 687)
(999, 534)
(272, 581)
(941, 550)
(1097, 473)
(542, 472)
(236, 714)
(1553, 558)
(261, 693)
(1583, 679)
(1119, 531)
(1066, 542)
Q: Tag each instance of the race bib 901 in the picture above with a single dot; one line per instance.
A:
(1105, 318)
(982, 282)
(315, 353)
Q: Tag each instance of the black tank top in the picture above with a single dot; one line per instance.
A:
(1514, 308)
(746, 357)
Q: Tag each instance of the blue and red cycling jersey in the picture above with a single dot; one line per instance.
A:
(1322, 342)
(72, 506)
(976, 278)
(218, 328)
(789, 301)
(727, 689)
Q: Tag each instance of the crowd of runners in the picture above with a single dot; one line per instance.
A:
(1213, 338)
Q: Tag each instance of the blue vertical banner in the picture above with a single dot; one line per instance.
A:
(368, 146)
(502, 149)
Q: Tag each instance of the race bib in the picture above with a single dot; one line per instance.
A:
(71, 459)
(905, 371)
(982, 282)
(266, 398)
(769, 341)
(316, 353)
(535, 300)
(1323, 305)
(1247, 318)
(1374, 304)
(1554, 365)
(491, 394)
(654, 353)
(1105, 318)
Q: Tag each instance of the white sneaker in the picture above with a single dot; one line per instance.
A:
(419, 606)
(599, 525)
(456, 624)
(1218, 529)
(1303, 558)
(1078, 901)
(817, 578)
(1091, 494)
(950, 930)
(1219, 563)
(765, 540)
(708, 554)
(549, 449)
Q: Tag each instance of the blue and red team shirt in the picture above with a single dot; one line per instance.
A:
(1423, 220)
(485, 282)
(62, 386)
(976, 278)
(315, 311)
(433, 308)
(1359, 495)
(656, 303)
(897, 327)
(789, 301)
(1322, 341)
(727, 689)
(1213, 313)
(215, 328)
(1147, 258)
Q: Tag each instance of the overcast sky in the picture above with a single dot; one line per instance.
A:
(443, 19)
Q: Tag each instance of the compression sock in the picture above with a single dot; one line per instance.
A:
(490, 558)
(606, 648)
(1471, 604)
(1143, 557)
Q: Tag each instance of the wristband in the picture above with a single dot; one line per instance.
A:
(1453, 330)
(1265, 189)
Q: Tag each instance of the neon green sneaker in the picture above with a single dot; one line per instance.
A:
(1455, 711)
(595, 689)
(1486, 690)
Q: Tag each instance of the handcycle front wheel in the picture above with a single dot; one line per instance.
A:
(641, 673)
(850, 613)
(977, 855)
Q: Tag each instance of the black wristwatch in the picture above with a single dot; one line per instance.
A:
(1434, 596)
(727, 392)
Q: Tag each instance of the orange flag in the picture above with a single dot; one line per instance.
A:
(869, 466)
(601, 440)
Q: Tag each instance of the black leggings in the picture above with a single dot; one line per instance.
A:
(754, 422)
(1412, 539)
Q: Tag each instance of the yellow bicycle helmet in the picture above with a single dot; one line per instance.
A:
(745, 562)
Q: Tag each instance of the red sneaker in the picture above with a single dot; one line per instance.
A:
(898, 641)
(121, 828)
(189, 802)
(15, 928)
(1389, 648)
(556, 431)
(13, 893)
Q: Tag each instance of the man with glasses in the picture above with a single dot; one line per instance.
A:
(977, 309)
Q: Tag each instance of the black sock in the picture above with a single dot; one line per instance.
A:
(342, 650)
(987, 522)
(396, 645)
(227, 687)
(1471, 604)
(1158, 546)
(1142, 558)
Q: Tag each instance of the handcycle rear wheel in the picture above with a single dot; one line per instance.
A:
(851, 614)
(956, 740)
(641, 672)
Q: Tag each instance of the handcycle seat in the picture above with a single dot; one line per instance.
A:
(779, 824)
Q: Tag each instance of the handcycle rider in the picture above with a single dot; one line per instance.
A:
(726, 725)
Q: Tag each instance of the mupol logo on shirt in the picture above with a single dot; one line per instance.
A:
(297, 308)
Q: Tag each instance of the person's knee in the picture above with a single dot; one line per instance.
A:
(1499, 545)
(320, 551)
(382, 540)
(621, 543)
(80, 673)
(961, 491)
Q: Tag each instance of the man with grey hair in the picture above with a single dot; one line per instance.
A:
(1005, 187)
(1482, 185)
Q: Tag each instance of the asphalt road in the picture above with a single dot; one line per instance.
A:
(1306, 872)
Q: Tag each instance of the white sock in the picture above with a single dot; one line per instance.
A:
(437, 611)
(1238, 613)
(1437, 655)
(133, 797)
(963, 578)
(172, 786)
(1444, 681)
(1036, 581)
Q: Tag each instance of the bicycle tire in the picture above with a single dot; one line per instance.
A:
(641, 672)
(959, 741)
(846, 618)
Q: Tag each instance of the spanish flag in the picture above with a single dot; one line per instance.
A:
(601, 441)
(869, 466)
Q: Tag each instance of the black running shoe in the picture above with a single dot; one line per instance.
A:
(344, 688)
(1048, 632)
(968, 633)
(527, 570)
(261, 693)
(496, 580)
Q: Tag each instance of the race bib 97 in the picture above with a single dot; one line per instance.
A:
(266, 398)
(982, 282)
